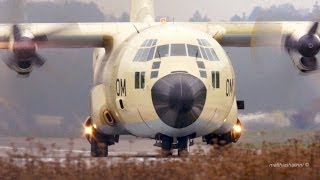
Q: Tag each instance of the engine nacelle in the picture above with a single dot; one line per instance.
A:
(303, 47)
(304, 65)
(22, 54)
(24, 67)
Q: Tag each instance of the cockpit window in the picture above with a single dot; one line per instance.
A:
(204, 54)
(207, 51)
(144, 44)
(162, 51)
(140, 51)
(144, 55)
(209, 54)
(155, 42)
(151, 53)
(146, 52)
(199, 42)
(215, 57)
(150, 42)
(149, 50)
(203, 42)
(206, 43)
(194, 51)
(178, 50)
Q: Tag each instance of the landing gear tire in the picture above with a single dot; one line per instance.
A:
(220, 140)
(226, 138)
(166, 146)
(183, 146)
(98, 149)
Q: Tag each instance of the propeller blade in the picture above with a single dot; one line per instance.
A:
(9, 60)
(16, 32)
(313, 29)
(38, 60)
(264, 36)
(290, 43)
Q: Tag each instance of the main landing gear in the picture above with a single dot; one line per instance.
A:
(182, 144)
(99, 142)
(226, 138)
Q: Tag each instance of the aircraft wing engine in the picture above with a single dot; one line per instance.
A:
(23, 56)
(303, 46)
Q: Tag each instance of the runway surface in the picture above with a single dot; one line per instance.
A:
(61, 147)
(127, 146)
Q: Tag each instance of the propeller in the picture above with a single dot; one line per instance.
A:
(22, 56)
(264, 37)
(23, 43)
(308, 45)
(24, 48)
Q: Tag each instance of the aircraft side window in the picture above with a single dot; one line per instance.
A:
(209, 54)
(214, 54)
(201, 65)
(137, 80)
(215, 79)
(194, 51)
(151, 53)
(154, 74)
(138, 55)
(162, 51)
(204, 54)
(178, 50)
(140, 80)
(156, 65)
(203, 74)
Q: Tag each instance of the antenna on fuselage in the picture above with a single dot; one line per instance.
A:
(136, 28)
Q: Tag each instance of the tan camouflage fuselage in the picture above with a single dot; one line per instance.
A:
(114, 77)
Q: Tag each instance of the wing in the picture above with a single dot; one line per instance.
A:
(67, 35)
(23, 40)
(245, 34)
(301, 40)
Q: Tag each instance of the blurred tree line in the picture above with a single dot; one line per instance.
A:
(52, 12)
(283, 12)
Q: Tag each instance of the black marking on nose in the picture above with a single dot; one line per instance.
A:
(179, 99)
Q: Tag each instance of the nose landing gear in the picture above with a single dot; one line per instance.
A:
(167, 143)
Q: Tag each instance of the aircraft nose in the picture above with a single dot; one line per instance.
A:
(179, 99)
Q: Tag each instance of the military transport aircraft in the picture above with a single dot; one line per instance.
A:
(169, 81)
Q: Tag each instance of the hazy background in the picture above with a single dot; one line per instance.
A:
(54, 100)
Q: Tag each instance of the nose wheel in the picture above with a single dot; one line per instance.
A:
(183, 146)
(168, 144)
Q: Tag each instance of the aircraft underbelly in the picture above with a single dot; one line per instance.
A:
(143, 125)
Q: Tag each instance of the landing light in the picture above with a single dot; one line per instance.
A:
(237, 128)
(88, 130)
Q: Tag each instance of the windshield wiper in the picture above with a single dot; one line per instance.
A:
(159, 54)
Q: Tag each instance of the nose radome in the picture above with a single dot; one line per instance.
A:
(179, 99)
